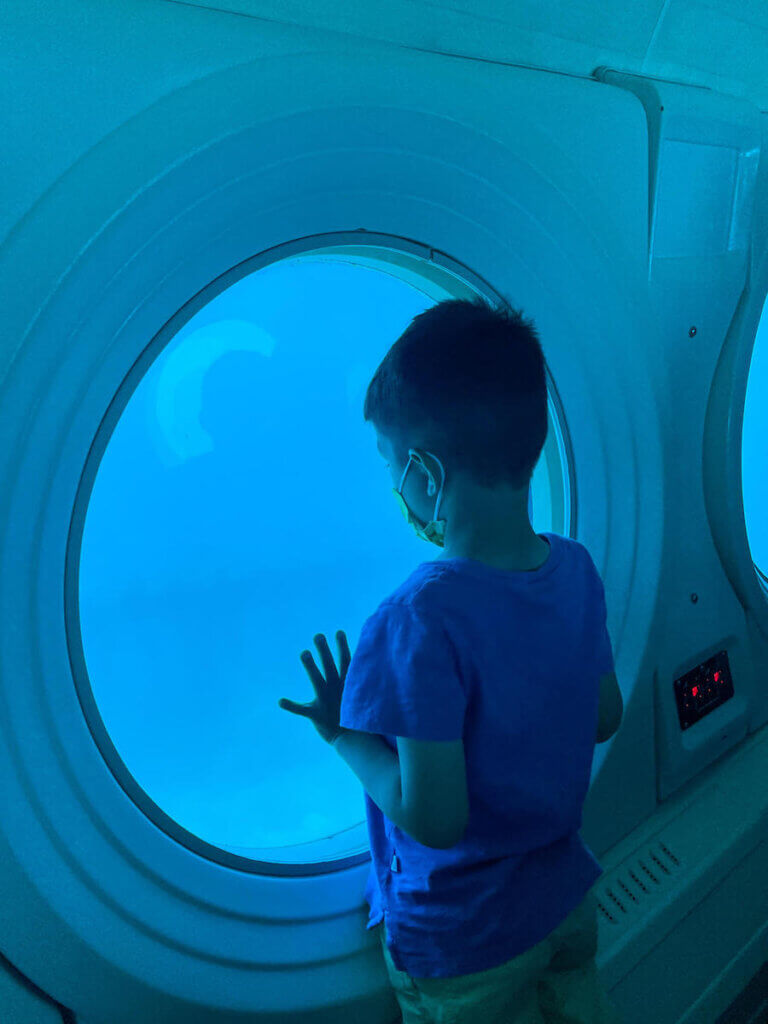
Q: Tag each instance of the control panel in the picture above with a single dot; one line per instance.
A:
(703, 689)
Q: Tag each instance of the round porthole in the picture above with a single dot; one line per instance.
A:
(234, 503)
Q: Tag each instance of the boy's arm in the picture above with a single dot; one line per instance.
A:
(610, 708)
(377, 767)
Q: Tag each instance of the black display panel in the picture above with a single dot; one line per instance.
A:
(703, 689)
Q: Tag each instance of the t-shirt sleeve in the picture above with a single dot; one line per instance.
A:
(404, 679)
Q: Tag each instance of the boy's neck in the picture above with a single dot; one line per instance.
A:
(524, 556)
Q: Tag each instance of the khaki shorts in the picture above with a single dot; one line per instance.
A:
(555, 981)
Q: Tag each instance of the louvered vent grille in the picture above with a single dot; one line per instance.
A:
(639, 879)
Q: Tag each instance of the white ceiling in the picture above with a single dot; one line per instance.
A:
(722, 44)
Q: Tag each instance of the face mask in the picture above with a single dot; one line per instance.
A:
(434, 530)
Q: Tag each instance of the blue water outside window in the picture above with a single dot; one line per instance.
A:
(754, 453)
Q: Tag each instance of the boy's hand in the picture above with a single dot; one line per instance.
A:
(325, 710)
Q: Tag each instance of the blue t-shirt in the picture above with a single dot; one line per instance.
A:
(510, 662)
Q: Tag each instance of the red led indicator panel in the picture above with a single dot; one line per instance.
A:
(703, 689)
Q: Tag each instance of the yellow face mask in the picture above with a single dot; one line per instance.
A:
(434, 530)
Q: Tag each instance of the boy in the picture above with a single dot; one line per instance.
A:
(472, 704)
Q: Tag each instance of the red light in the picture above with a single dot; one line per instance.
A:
(695, 690)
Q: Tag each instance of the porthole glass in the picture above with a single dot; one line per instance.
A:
(239, 508)
(754, 453)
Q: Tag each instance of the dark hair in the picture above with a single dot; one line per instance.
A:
(467, 382)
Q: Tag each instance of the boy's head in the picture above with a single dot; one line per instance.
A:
(466, 383)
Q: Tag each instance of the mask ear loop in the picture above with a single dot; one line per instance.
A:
(431, 489)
